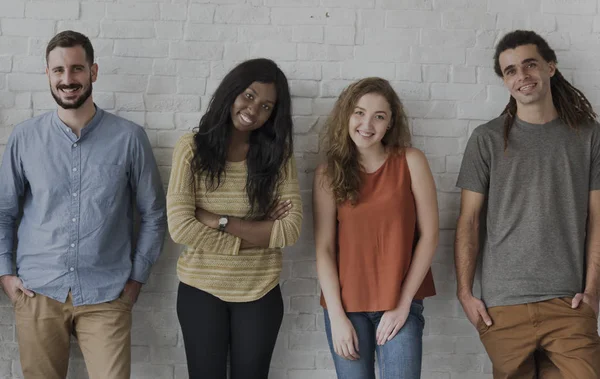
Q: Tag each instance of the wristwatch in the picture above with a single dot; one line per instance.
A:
(223, 221)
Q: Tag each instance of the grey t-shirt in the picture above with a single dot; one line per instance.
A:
(537, 206)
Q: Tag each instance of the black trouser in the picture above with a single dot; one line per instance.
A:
(212, 327)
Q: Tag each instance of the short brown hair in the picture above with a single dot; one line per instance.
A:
(69, 38)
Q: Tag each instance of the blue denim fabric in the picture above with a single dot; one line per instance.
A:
(399, 358)
(76, 233)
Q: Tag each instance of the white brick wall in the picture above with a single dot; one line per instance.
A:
(160, 60)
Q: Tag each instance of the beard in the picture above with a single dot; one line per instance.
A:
(78, 102)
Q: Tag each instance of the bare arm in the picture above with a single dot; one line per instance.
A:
(325, 229)
(466, 246)
(466, 250)
(423, 188)
(592, 283)
(591, 293)
(344, 338)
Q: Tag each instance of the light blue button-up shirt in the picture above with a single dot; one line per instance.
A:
(77, 196)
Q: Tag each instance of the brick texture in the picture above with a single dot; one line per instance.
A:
(160, 61)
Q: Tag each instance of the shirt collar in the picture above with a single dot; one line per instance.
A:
(94, 122)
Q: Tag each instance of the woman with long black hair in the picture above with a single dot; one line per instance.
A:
(234, 202)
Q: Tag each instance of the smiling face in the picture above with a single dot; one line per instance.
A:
(70, 76)
(526, 74)
(253, 107)
(369, 120)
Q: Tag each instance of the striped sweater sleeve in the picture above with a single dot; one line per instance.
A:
(286, 231)
(184, 228)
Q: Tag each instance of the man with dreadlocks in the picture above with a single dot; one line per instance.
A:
(536, 172)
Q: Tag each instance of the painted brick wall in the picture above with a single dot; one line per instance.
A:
(161, 60)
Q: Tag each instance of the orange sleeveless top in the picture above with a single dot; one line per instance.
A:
(376, 239)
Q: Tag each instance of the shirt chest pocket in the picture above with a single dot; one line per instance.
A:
(105, 183)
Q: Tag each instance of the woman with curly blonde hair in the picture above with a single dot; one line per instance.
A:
(376, 231)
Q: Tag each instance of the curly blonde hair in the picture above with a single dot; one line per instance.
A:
(343, 167)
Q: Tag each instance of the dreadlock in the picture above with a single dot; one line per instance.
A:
(570, 103)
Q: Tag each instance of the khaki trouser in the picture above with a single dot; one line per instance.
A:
(103, 331)
(545, 368)
(568, 337)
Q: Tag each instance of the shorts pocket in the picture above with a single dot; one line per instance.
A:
(123, 301)
(18, 299)
(126, 299)
(416, 309)
(584, 309)
(482, 327)
(588, 309)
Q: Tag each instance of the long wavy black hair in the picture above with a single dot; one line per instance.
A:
(271, 145)
(570, 103)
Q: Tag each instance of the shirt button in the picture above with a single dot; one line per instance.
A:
(74, 194)
(71, 269)
(74, 168)
(72, 245)
(74, 145)
(74, 219)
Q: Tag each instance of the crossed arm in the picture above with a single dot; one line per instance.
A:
(197, 228)
(252, 233)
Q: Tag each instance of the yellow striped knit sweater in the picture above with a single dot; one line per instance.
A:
(212, 260)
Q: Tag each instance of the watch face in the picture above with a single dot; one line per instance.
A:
(223, 220)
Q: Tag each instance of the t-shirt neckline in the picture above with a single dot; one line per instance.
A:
(525, 124)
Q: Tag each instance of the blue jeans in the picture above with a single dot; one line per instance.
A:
(399, 358)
